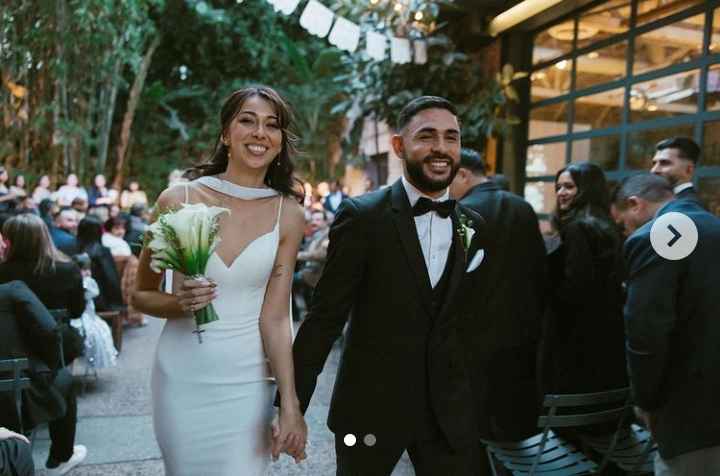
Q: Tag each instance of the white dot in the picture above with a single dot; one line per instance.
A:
(370, 440)
(350, 440)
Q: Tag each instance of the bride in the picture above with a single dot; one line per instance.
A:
(213, 401)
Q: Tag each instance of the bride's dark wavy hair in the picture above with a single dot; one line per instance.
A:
(280, 173)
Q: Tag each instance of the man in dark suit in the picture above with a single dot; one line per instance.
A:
(64, 230)
(28, 330)
(396, 259)
(672, 328)
(505, 305)
(334, 198)
(676, 159)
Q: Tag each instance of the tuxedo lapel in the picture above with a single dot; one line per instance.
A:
(405, 225)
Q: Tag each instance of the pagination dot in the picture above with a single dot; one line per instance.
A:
(370, 440)
(350, 440)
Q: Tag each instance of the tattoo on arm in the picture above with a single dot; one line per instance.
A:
(277, 271)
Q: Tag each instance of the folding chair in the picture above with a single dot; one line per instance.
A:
(634, 451)
(16, 384)
(548, 454)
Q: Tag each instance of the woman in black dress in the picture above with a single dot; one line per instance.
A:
(585, 339)
(104, 271)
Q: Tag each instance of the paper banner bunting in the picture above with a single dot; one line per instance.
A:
(420, 51)
(285, 6)
(317, 18)
(345, 35)
(375, 44)
(400, 50)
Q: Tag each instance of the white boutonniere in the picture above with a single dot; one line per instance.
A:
(465, 231)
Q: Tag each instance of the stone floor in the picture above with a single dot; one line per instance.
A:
(115, 421)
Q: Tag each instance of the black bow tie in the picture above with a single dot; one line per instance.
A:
(425, 205)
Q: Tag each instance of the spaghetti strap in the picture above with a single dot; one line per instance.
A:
(280, 210)
(187, 193)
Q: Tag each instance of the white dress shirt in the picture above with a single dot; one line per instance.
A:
(681, 187)
(434, 232)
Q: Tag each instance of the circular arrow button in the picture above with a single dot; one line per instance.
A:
(674, 236)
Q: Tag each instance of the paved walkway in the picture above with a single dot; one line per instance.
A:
(115, 421)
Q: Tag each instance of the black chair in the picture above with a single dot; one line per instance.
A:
(634, 450)
(549, 454)
(16, 384)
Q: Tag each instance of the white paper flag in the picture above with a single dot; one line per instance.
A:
(345, 35)
(420, 51)
(400, 50)
(375, 44)
(285, 6)
(317, 18)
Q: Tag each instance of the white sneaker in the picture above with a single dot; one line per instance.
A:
(78, 456)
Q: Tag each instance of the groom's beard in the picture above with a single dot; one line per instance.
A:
(429, 184)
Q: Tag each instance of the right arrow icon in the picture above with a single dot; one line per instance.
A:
(676, 235)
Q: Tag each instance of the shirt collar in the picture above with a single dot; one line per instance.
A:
(681, 187)
(414, 194)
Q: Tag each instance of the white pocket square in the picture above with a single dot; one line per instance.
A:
(475, 262)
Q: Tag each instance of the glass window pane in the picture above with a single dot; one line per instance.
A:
(599, 111)
(651, 10)
(711, 148)
(603, 151)
(712, 98)
(548, 121)
(551, 81)
(601, 66)
(665, 97)
(678, 42)
(608, 19)
(553, 42)
(545, 159)
(715, 40)
(709, 191)
(541, 196)
(641, 144)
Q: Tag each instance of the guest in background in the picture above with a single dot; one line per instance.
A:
(136, 226)
(502, 182)
(676, 159)
(584, 340)
(133, 196)
(508, 300)
(18, 187)
(47, 210)
(673, 329)
(7, 198)
(312, 258)
(64, 230)
(27, 205)
(104, 271)
(70, 191)
(33, 259)
(113, 237)
(100, 351)
(99, 194)
(114, 211)
(15, 454)
(335, 197)
(29, 330)
(42, 190)
(80, 205)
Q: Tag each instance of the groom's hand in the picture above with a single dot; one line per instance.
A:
(289, 435)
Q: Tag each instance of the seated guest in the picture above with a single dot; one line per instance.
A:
(70, 191)
(32, 258)
(7, 197)
(47, 210)
(584, 340)
(113, 237)
(104, 271)
(28, 330)
(136, 226)
(64, 229)
(672, 327)
(42, 191)
(80, 205)
(99, 194)
(133, 196)
(15, 454)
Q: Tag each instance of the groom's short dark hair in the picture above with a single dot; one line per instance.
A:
(420, 104)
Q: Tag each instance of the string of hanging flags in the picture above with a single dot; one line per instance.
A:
(320, 21)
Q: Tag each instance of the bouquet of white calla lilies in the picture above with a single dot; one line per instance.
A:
(183, 240)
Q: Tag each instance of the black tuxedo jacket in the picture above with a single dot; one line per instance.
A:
(399, 359)
(28, 330)
(503, 312)
(672, 319)
(689, 194)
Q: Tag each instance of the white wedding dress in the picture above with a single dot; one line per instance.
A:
(212, 401)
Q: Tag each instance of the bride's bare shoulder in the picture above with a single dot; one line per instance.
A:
(293, 215)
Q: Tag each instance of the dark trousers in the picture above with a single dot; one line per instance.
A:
(16, 458)
(62, 430)
(430, 457)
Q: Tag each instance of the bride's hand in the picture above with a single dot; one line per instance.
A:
(195, 294)
(289, 432)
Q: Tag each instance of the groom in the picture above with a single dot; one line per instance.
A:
(395, 262)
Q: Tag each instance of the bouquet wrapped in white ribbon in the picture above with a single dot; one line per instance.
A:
(183, 240)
